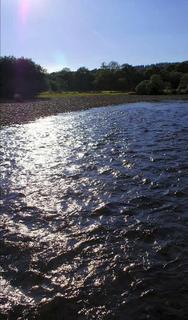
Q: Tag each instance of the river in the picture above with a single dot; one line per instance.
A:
(94, 215)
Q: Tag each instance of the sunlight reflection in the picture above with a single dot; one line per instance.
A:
(44, 155)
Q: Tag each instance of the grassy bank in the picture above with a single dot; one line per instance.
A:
(55, 95)
(16, 113)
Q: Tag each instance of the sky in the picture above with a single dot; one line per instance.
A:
(75, 33)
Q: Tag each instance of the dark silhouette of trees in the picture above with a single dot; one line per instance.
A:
(174, 79)
(104, 79)
(29, 78)
(7, 72)
(153, 86)
(156, 84)
(153, 79)
(182, 67)
(83, 79)
(25, 79)
(183, 86)
(143, 87)
(21, 78)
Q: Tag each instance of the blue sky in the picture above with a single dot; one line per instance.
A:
(75, 33)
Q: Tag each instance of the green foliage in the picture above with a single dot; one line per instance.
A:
(153, 86)
(143, 87)
(174, 78)
(51, 95)
(161, 78)
(183, 86)
(182, 67)
(151, 71)
(7, 72)
(104, 80)
(21, 78)
(122, 84)
(83, 79)
(156, 85)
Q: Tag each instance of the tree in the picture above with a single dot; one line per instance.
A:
(29, 78)
(104, 80)
(113, 65)
(151, 70)
(132, 76)
(183, 86)
(156, 85)
(143, 87)
(7, 72)
(162, 77)
(83, 79)
(153, 86)
(174, 78)
(21, 77)
(122, 84)
(182, 67)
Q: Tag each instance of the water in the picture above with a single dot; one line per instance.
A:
(94, 215)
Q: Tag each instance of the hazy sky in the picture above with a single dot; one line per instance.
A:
(74, 33)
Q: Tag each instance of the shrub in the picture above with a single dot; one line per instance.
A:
(153, 86)
(143, 87)
(183, 86)
(156, 85)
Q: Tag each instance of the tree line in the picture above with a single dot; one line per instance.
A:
(167, 78)
(25, 79)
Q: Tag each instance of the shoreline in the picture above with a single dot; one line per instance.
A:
(24, 112)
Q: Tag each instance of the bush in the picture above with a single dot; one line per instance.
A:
(143, 87)
(156, 85)
(153, 86)
(183, 86)
(175, 78)
(182, 67)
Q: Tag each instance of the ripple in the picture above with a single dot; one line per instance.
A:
(94, 215)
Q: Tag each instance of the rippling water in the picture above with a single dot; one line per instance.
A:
(94, 215)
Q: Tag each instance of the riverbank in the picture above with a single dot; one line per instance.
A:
(16, 112)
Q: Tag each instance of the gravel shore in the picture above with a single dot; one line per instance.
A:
(16, 113)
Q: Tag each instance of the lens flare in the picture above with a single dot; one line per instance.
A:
(24, 11)
(27, 8)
